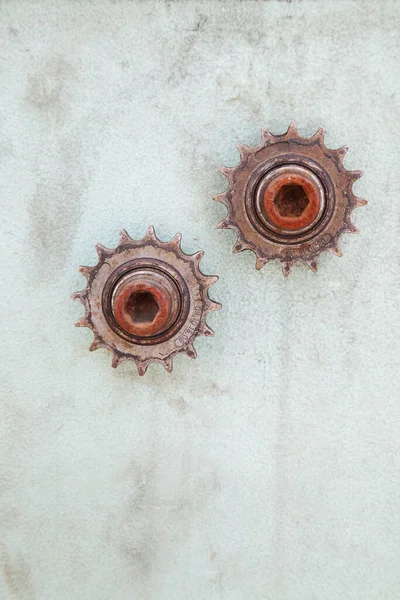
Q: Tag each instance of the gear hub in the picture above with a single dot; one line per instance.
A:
(146, 301)
(289, 199)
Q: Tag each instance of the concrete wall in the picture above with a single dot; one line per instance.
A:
(269, 467)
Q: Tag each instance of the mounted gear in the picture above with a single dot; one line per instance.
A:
(289, 199)
(146, 300)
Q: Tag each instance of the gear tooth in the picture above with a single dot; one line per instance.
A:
(244, 151)
(168, 364)
(228, 172)
(86, 271)
(124, 237)
(260, 263)
(354, 175)
(224, 224)
(117, 360)
(142, 367)
(212, 305)
(221, 198)
(176, 240)
(211, 279)
(266, 135)
(319, 135)
(150, 234)
(312, 264)
(292, 130)
(96, 344)
(102, 251)
(358, 202)
(82, 322)
(286, 268)
(341, 152)
(197, 256)
(334, 249)
(206, 330)
(81, 296)
(190, 351)
(350, 227)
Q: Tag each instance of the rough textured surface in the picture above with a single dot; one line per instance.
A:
(269, 467)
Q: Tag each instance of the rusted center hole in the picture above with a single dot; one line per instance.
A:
(142, 307)
(291, 200)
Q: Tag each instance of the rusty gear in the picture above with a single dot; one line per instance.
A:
(146, 300)
(289, 199)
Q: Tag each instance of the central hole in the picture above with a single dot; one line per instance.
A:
(291, 200)
(142, 307)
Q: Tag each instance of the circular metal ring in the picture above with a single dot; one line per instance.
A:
(305, 202)
(172, 280)
(256, 188)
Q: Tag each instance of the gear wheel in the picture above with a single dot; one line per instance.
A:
(289, 199)
(146, 300)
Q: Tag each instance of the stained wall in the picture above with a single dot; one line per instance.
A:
(268, 468)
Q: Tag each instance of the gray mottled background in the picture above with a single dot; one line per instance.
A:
(269, 467)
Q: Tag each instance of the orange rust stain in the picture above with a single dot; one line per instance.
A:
(291, 219)
(122, 309)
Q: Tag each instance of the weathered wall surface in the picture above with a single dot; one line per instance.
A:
(269, 467)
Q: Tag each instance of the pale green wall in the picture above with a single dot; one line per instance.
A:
(269, 467)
